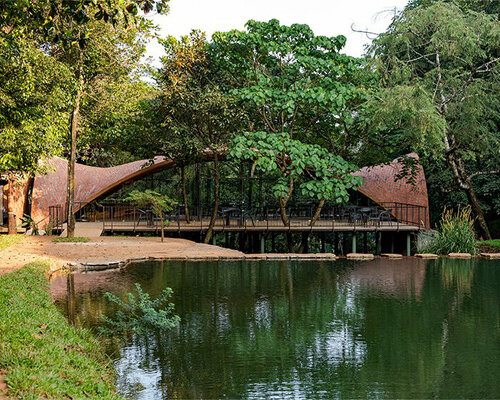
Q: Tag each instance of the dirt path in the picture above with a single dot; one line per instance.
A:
(3, 387)
(103, 249)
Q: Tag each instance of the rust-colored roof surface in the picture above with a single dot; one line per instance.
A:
(380, 185)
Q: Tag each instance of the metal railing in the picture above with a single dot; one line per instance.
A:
(84, 212)
(393, 214)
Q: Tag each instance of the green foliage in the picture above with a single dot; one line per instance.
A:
(196, 113)
(439, 69)
(41, 355)
(34, 96)
(29, 224)
(493, 243)
(140, 314)
(291, 80)
(321, 174)
(455, 234)
(159, 203)
(70, 240)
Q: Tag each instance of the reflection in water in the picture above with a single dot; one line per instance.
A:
(387, 328)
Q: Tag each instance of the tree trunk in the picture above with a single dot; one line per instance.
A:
(210, 230)
(162, 225)
(317, 213)
(284, 217)
(70, 199)
(12, 230)
(304, 247)
(455, 162)
(464, 182)
(184, 195)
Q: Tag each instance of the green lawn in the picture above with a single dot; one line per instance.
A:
(493, 244)
(42, 355)
(8, 240)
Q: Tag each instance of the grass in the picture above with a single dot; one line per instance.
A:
(9, 240)
(493, 244)
(455, 234)
(42, 356)
(70, 240)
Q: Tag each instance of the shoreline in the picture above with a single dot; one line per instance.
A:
(107, 252)
(43, 356)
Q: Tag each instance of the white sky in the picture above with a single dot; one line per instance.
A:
(325, 17)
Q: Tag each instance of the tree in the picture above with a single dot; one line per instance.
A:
(440, 66)
(34, 93)
(160, 204)
(293, 84)
(67, 27)
(320, 174)
(199, 117)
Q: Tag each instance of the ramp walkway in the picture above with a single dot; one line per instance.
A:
(86, 229)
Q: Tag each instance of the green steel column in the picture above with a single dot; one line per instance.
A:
(354, 243)
(408, 244)
(262, 243)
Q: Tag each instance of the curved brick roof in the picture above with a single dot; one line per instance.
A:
(380, 184)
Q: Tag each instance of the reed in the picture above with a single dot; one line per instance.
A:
(455, 234)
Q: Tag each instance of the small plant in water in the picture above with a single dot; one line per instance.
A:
(455, 234)
(140, 313)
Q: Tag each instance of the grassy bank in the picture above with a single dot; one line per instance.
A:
(42, 356)
(9, 240)
(489, 245)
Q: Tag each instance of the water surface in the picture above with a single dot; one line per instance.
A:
(382, 329)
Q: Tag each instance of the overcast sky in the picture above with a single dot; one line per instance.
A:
(325, 17)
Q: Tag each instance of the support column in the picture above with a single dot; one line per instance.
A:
(378, 240)
(353, 243)
(335, 245)
(408, 244)
(262, 243)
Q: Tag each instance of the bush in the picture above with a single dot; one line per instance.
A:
(141, 314)
(455, 234)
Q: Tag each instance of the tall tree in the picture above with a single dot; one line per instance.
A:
(198, 116)
(440, 67)
(34, 93)
(292, 83)
(69, 30)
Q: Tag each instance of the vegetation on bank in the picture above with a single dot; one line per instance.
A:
(9, 240)
(455, 234)
(70, 239)
(489, 246)
(42, 355)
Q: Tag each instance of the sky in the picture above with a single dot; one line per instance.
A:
(325, 17)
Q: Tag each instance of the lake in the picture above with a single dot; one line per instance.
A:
(305, 329)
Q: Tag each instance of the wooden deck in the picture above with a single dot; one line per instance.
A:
(296, 225)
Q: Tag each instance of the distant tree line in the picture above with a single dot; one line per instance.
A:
(280, 98)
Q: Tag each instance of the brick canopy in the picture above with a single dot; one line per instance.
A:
(380, 184)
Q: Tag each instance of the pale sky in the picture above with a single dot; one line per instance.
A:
(325, 17)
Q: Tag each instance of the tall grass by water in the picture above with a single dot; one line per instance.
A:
(455, 233)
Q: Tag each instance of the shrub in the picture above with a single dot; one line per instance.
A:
(139, 314)
(455, 234)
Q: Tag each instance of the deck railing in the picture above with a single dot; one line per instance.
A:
(121, 216)
(118, 217)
